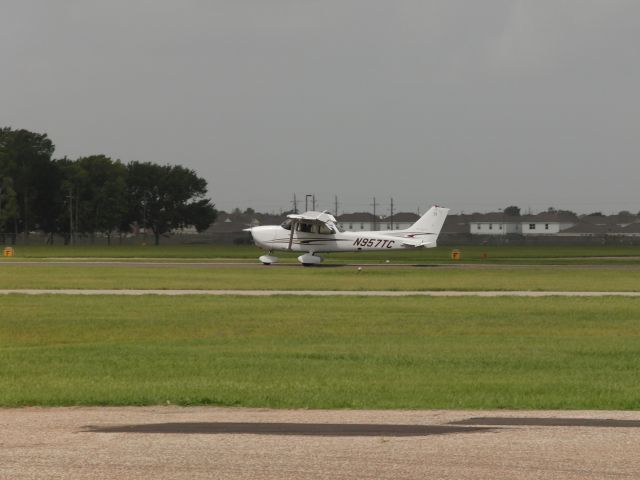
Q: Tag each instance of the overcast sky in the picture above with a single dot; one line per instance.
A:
(474, 105)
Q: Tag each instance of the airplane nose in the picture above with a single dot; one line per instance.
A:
(261, 235)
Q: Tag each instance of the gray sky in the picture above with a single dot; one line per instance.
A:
(474, 105)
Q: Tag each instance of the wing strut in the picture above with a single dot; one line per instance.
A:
(293, 229)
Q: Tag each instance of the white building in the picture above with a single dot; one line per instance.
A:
(399, 221)
(365, 221)
(357, 221)
(495, 224)
(546, 223)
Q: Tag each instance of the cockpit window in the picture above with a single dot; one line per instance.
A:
(286, 224)
(306, 227)
(325, 229)
(311, 227)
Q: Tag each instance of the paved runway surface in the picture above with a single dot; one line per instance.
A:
(318, 293)
(202, 442)
(253, 264)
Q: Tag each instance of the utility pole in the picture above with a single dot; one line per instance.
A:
(306, 202)
(295, 204)
(313, 198)
(77, 221)
(391, 216)
(336, 207)
(375, 219)
(70, 197)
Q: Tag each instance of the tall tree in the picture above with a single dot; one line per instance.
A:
(8, 205)
(72, 179)
(101, 194)
(165, 197)
(25, 158)
(512, 210)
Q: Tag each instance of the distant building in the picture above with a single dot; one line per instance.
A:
(399, 221)
(546, 223)
(363, 221)
(495, 224)
(358, 221)
(456, 224)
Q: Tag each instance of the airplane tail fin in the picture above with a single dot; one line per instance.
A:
(428, 227)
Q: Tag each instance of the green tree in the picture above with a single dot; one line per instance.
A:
(101, 195)
(72, 178)
(8, 204)
(25, 159)
(512, 210)
(94, 196)
(626, 216)
(49, 202)
(165, 197)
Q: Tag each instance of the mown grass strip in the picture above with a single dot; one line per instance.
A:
(344, 278)
(481, 254)
(321, 352)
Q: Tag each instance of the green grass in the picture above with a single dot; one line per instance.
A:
(123, 252)
(321, 352)
(473, 254)
(299, 278)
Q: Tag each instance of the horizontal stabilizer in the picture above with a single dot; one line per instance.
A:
(409, 243)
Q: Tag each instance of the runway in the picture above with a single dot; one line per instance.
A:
(250, 264)
(169, 442)
(318, 293)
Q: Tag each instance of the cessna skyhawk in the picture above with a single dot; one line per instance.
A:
(318, 232)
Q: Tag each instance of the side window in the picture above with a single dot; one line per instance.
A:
(325, 230)
(532, 226)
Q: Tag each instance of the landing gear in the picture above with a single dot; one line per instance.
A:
(268, 259)
(309, 259)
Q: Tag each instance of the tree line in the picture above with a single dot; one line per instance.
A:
(94, 194)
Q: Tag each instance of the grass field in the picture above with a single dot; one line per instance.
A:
(347, 278)
(321, 352)
(473, 254)
(566, 353)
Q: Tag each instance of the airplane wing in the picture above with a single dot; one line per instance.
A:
(319, 217)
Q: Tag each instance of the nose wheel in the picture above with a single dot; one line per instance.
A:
(268, 259)
(309, 259)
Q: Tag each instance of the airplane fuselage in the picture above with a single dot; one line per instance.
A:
(276, 238)
(317, 232)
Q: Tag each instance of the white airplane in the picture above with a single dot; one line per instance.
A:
(318, 232)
